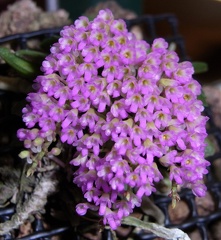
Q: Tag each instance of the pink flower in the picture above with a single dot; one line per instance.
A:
(142, 116)
(104, 171)
(89, 119)
(146, 86)
(111, 73)
(127, 110)
(82, 23)
(159, 45)
(105, 15)
(47, 124)
(129, 86)
(124, 207)
(198, 188)
(114, 88)
(127, 55)
(82, 208)
(82, 39)
(90, 53)
(102, 101)
(118, 109)
(88, 70)
(168, 159)
(183, 72)
(146, 189)
(122, 144)
(83, 104)
(137, 135)
(120, 167)
(62, 94)
(70, 118)
(134, 102)
(49, 65)
(161, 119)
(68, 135)
(111, 45)
(118, 26)
(57, 113)
(97, 37)
(176, 174)
(67, 44)
(90, 91)
(93, 142)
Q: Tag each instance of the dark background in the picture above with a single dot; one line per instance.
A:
(200, 25)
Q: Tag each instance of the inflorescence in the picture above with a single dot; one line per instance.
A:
(125, 107)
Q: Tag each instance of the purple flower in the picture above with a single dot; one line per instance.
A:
(160, 45)
(127, 55)
(125, 208)
(105, 15)
(67, 44)
(49, 65)
(145, 189)
(111, 73)
(70, 118)
(122, 144)
(118, 27)
(88, 70)
(89, 119)
(124, 107)
(198, 188)
(97, 37)
(105, 172)
(82, 208)
(118, 109)
(90, 53)
(82, 23)
(183, 72)
(57, 113)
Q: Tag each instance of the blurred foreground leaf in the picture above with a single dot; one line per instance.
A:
(202, 97)
(23, 67)
(210, 148)
(31, 55)
(200, 67)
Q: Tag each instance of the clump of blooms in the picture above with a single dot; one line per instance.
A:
(125, 107)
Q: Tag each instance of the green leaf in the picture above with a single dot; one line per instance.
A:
(202, 97)
(210, 148)
(31, 55)
(23, 67)
(200, 67)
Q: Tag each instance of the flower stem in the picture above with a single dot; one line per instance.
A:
(158, 230)
(46, 186)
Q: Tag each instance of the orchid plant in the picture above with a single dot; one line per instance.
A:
(127, 109)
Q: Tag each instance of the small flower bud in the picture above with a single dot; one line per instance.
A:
(24, 154)
(55, 151)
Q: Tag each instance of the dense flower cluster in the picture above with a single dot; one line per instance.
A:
(126, 107)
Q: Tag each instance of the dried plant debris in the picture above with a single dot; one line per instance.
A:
(205, 205)
(180, 213)
(25, 16)
(35, 202)
(117, 10)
